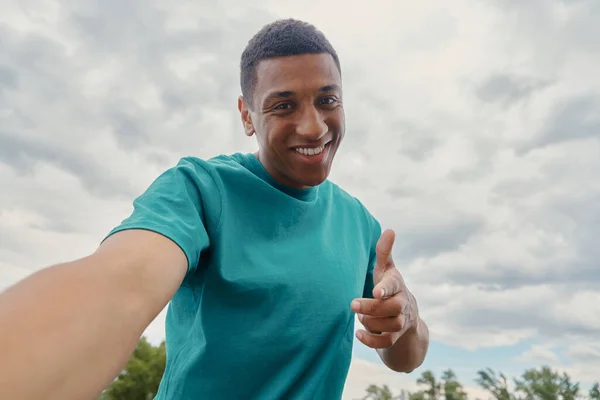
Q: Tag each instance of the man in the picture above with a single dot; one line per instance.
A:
(264, 261)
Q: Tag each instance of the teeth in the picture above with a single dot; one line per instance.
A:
(310, 151)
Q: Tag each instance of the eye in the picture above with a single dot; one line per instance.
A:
(328, 100)
(282, 106)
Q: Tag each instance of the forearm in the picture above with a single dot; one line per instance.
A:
(58, 340)
(409, 352)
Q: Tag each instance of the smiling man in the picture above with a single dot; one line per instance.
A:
(263, 261)
(294, 105)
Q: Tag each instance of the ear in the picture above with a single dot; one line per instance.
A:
(245, 116)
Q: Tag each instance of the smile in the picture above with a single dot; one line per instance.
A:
(310, 151)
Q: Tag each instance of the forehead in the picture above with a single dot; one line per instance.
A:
(306, 72)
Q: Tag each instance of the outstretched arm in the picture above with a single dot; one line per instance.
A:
(66, 331)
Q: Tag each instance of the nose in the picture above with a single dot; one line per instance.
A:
(311, 124)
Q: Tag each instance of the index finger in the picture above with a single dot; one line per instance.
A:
(383, 250)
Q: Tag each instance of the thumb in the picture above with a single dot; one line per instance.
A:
(383, 250)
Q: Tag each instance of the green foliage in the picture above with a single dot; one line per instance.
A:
(496, 385)
(448, 388)
(432, 387)
(534, 384)
(545, 384)
(417, 396)
(141, 376)
(452, 389)
(375, 392)
(594, 393)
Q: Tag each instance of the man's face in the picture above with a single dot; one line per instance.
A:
(297, 116)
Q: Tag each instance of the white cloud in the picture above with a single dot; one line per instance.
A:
(540, 355)
(585, 358)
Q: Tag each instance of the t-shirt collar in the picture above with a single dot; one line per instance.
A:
(257, 168)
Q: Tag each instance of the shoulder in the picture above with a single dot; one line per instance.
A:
(195, 171)
(340, 195)
(213, 167)
(370, 230)
(210, 165)
(356, 208)
(194, 181)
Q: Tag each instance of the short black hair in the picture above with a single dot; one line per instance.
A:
(284, 37)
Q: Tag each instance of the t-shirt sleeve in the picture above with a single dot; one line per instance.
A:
(375, 234)
(177, 205)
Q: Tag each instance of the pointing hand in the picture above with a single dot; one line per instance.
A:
(393, 310)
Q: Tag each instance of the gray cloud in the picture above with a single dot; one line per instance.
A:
(431, 240)
(138, 33)
(8, 79)
(495, 276)
(417, 143)
(574, 221)
(547, 325)
(49, 112)
(8, 241)
(585, 352)
(507, 89)
(572, 119)
(24, 155)
(548, 34)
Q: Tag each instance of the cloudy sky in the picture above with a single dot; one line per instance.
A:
(473, 131)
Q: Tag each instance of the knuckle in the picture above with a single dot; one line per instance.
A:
(370, 307)
(398, 306)
(397, 324)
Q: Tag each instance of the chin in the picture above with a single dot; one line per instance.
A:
(313, 180)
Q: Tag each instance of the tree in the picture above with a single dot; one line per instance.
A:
(417, 396)
(433, 387)
(496, 385)
(447, 388)
(594, 393)
(533, 384)
(453, 390)
(546, 384)
(375, 392)
(141, 377)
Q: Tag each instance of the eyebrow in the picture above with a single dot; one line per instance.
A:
(330, 88)
(288, 93)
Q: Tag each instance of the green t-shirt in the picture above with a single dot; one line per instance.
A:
(264, 309)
